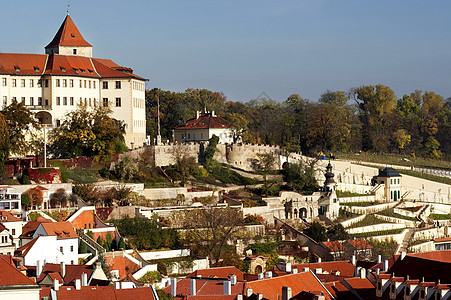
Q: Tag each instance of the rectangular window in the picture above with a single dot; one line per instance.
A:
(23, 100)
(4, 81)
(31, 83)
(74, 51)
(89, 83)
(64, 82)
(13, 231)
(47, 102)
(57, 84)
(64, 100)
(39, 83)
(5, 100)
(22, 83)
(71, 248)
(118, 84)
(94, 84)
(85, 83)
(39, 100)
(81, 83)
(14, 83)
(81, 101)
(105, 102)
(58, 101)
(118, 102)
(72, 101)
(61, 249)
(46, 83)
(14, 99)
(105, 85)
(31, 101)
(71, 83)
(90, 104)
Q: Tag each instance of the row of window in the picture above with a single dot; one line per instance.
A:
(65, 101)
(138, 86)
(9, 205)
(107, 103)
(5, 239)
(71, 249)
(139, 123)
(394, 181)
(184, 136)
(58, 83)
(139, 103)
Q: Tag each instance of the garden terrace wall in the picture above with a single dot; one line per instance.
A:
(369, 209)
(423, 247)
(430, 234)
(396, 237)
(369, 198)
(376, 227)
(411, 214)
(354, 188)
(397, 220)
(349, 222)
(440, 208)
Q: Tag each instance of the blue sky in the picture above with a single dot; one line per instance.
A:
(245, 47)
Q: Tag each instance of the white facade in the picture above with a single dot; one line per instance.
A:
(10, 199)
(60, 249)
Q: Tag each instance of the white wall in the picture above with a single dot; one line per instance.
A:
(377, 227)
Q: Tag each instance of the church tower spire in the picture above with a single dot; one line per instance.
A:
(329, 183)
(69, 41)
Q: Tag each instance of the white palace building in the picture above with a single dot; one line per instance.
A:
(55, 83)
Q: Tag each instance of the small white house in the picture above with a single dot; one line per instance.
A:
(203, 127)
(53, 242)
(10, 199)
(12, 223)
(7, 246)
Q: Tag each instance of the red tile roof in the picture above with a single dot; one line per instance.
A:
(24, 64)
(338, 290)
(206, 120)
(360, 244)
(62, 230)
(210, 288)
(30, 227)
(334, 246)
(220, 272)
(72, 272)
(440, 240)
(100, 292)
(122, 264)
(22, 251)
(344, 267)
(6, 216)
(68, 35)
(360, 283)
(271, 288)
(10, 276)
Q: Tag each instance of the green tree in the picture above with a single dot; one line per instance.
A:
(338, 98)
(22, 128)
(376, 105)
(265, 163)
(86, 132)
(317, 232)
(4, 144)
(300, 176)
(82, 248)
(211, 148)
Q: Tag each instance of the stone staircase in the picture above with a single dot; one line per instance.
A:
(405, 242)
(95, 247)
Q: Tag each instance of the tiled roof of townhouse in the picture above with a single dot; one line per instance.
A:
(219, 272)
(11, 276)
(6, 216)
(101, 292)
(345, 268)
(334, 246)
(122, 264)
(62, 230)
(30, 227)
(359, 244)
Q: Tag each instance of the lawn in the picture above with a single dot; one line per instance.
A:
(344, 194)
(390, 213)
(377, 233)
(367, 221)
(362, 203)
(439, 216)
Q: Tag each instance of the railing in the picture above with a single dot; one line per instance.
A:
(39, 107)
(88, 240)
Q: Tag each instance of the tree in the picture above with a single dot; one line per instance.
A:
(337, 232)
(22, 128)
(401, 138)
(211, 148)
(126, 169)
(86, 132)
(60, 197)
(4, 144)
(301, 176)
(207, 230)
(264, 163)
(375, 103)
(338, 98)
(82, 248)
(317, 232)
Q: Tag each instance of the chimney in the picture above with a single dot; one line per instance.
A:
(318, 270)
(286, 293)
(363, 273)
(288, 267)
(38, 268)
(379, 259)
(227, 287)
(77, 284)
(378, 271)
(248, 292)
(197, 114)
(385, 265)
(117, 285)
(259, 296)
(174, 287)
(63, 269)
(294, 271)
(319, 259)
(233, 279)
(239, 297)
(305, 269)
(84, 279)
(319, 297)
(56, 285)
(193, 289)
(357, 271)
(268, 274)
(353, 260)
(260, 276)
(403, 254)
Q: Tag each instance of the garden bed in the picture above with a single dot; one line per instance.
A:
(367, 221)
(377, 233)
(390, 213)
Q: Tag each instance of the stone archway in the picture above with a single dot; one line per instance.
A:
(303, 213)
(44, 117)
(258, 269)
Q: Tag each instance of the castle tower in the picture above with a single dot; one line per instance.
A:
(329, 183)
(69, 41)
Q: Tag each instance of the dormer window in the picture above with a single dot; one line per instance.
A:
(91, 71)
(63, 69)
(74, 51)
(72, 35)
(83, 70)
(36, 69)
(16, 68)
(75, 69)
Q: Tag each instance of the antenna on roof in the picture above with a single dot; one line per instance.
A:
(68, 7)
